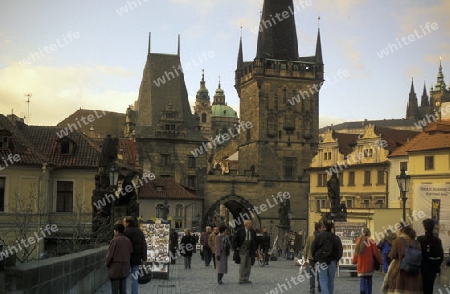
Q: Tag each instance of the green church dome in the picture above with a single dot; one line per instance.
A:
(220, 110)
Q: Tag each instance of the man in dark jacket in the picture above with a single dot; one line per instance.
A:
(139, 254)
(245, 242)
(432, 255)
(327, 251)
(118, 260)
(265, 245)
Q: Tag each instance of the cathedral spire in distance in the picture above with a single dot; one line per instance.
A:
(277, 38)
(240, 59)
(425, 101)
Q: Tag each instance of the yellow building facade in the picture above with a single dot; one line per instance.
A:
(361, 162)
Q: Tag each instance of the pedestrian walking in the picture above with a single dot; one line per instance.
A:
(327, 249)
(385, 246)
(212, 244)
(173, 245)
(245, 243)
(187, 244)
(397, 280)
(365, 252)
(118, 260)
(308, 256)
(285, 244)
(265, 245)
(432, 255)
(222, 250)
(206, 250)
(139, 254)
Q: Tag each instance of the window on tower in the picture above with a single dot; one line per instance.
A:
(203, 117)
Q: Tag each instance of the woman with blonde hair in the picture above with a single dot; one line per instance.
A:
(365, 252)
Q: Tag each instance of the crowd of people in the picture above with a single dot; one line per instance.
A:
(410, 263)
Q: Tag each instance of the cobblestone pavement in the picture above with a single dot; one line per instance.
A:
(274, 277)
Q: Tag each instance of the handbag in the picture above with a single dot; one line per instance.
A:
(236, 257)
(145, 274)
(376, 264)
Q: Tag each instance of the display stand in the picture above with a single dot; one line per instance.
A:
(348, 232)
(158, 258)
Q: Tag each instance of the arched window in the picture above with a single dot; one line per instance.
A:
(159, 208)
(178, 210)
(204, 117)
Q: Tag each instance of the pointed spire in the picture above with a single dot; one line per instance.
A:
(319, 59)
(412, 86)
(203, 92)
(440, 77)
(178, 45)
(149, 41)
(277, 39)
(240, 59)
(425, 101)
(219, 81)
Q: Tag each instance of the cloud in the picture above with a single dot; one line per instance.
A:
(58, 92)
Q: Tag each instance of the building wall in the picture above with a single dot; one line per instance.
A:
(191, 212)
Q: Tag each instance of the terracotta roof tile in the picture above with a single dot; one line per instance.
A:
(45, 139)
(162, 187)
(346, 142)
(394, 138)
(19, 144)
(436, 136)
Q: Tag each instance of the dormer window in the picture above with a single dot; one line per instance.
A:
(3, 142)
(5, 139)
(66, 146)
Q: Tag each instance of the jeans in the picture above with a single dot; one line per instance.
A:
(326, 277)
(365, 284)
(134, 281)
(187, 262)
(312, 269)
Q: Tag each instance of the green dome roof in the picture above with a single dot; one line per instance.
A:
(219, 110)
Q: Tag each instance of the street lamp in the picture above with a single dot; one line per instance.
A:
(113, 173)
(403, 183)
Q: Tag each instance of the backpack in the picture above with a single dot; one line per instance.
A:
(431, 251)
(412, 259)
(324, 252)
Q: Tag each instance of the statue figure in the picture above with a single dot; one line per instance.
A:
(283, 213)
(333, 186)
(165, 210)
(109, 151)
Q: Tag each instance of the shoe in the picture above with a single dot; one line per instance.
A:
(241, 281)
(267, 263)
(247, 281)
(318, 289)
(220, 282)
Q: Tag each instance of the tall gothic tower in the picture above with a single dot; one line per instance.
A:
(439, 93)
(279, 94)
(202, 108)
(412, 110)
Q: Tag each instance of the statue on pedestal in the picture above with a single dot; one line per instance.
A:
(338, 210)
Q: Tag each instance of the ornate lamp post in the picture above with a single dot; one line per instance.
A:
(403, 181)
(113, 174)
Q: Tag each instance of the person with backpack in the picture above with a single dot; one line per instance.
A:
(405, 275)
(327, 251)
(385, 246)
(365, 252)
(432, 255)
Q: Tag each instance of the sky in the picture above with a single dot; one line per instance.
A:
(91, 54)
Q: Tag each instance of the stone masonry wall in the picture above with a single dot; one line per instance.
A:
(81, 272)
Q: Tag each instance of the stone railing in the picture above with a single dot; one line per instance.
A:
(82, 272)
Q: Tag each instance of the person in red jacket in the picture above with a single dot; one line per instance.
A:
(365, 252)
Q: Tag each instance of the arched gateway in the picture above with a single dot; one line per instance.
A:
(240, 209)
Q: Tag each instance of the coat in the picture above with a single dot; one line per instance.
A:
(307, 254)
(320, 240)
(137, 239)
(222, 264)
(212, 242)
(187, 245)
(118, 257)
(400, 281)
(364, 261)
(240, 238)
